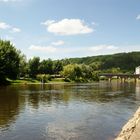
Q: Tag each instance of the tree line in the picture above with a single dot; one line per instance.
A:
(126, 62)
(14, 65)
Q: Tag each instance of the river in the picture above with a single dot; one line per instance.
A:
(87, 111)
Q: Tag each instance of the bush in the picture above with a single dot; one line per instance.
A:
(79, 73)
(44, 77)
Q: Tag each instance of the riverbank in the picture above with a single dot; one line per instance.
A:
(131, 130)
(34, 81)
(53, 81)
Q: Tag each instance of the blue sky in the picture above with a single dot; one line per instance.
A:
(71, 28)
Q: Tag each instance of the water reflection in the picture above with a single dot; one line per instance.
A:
(66, 111)
(9, 106)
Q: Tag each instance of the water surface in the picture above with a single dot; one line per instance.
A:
(90, 111)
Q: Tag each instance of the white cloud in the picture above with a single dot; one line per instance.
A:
(5, 26)
(78, 51)
(96, 48)
(16, 30)
(58, 43)
(48, 22)
(138, 17)
(47, 49)
(67, 27)
(63, 52)
(103, 47)
(112, 47)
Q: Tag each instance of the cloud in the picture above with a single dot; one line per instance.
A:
(96, 48)
(58, 43)
(67, 27)
(5, 26)
(48, 49)
(67, 52)
(16, 30)
(112, 47)
(48, 22)
(60, 52)
(138, 17)
(103, 47)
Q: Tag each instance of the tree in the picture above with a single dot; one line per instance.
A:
(72, 72)
(46, 67)
(9, 61)
(95, 65)
(43, 67)
(79, 73)
(65, 62)
(34, 67)
(58, 66)
(68, 72)
(86, 72)
(23, 67)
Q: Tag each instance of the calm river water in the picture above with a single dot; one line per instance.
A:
(91, 111)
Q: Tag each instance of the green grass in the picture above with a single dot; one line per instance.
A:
(24, 81)
(34, 81)
(55, 80)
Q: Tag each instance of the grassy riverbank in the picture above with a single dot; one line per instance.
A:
(34, 81)
(54, 80)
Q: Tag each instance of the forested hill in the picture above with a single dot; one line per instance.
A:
(124, 61)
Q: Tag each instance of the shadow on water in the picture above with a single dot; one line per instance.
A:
(66, 111)
(10, 106)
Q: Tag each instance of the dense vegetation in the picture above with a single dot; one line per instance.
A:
(126, 62)
(9, 61)
(13, 65)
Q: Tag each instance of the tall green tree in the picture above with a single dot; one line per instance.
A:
(58, 66)
(43, 67)
(46, 67)
(79, 73)
(72, 72)
(33, 66)
(23, 67)
(9, 61)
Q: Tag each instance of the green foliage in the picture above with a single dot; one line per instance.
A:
(13, 64)
(46, 67)
(44, 77)
(79, 73)
(23, 81)
(125, 61)
(9, 61)
(23, 67)
(96, 65)
(58, 66)
(95, 76)
(66, 62)
(113, 70)
(68, 72)
(86, 69)
(33, 65)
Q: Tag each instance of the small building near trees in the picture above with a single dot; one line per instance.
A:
(137, 70)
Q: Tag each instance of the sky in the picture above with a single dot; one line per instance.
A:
(59, 29)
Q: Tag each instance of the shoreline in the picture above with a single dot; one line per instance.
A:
(128, 130)
(35, 82)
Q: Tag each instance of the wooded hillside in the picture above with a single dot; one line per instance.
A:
(125, 61)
